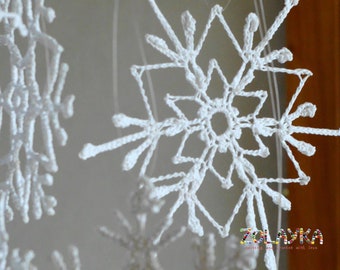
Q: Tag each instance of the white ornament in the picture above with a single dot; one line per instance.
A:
(187, 183)
(143, 248)
(28, 103)
(23, 103)
(59, 263)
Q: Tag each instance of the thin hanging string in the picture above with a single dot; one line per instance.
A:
(224, 8)
(116, 107)
(47, 53)
(150, 86)
(206, 2)
(275, 102)
(147, 72)
(115, 59)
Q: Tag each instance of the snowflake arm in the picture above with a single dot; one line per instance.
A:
(59, 263)
(204, 249)
(286, 129)
(142, 248)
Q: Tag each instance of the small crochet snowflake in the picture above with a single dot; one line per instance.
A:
(235, 255)
(142, 248)
(26, 103)
(13, 260)
(187, 183)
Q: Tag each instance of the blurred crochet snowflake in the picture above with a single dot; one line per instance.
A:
(14, 261)
(143, 249)
(187, 183)
(31, 100)
(59, 262)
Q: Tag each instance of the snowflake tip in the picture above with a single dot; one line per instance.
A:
(264, 152)
(252, 22)
(303, 72)
(304, 180)
(122, 121)
(284, 56)
(51, 166)
(189, 24)
(131, 158)
(158, 43)
(217, 9)
(292, 2)
(188, 21)
(269, 259)
(49, 203)
(67, 108)
(306, 148)
(25, 217)
(61, 136)
(195, 225)
(46, 179)
(49, 15)
(307, 109)
(88, 151)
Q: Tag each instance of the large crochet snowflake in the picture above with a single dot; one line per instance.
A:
(187, 183)
(31, 98)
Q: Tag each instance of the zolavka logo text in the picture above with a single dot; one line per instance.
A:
(258, 236)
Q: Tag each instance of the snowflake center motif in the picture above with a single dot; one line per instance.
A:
(221, 123)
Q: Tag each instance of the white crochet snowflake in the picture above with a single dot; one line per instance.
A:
(59, 262)
(25, 103)
(187, 183)
(143, 248)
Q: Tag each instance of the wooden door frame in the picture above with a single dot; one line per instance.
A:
(313, 35)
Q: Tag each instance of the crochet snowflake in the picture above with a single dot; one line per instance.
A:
(13, 260)
(143, 248)
(26, 104)
(59, 263)
(187, 183)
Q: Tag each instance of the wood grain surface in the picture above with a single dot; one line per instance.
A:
(313, 37)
